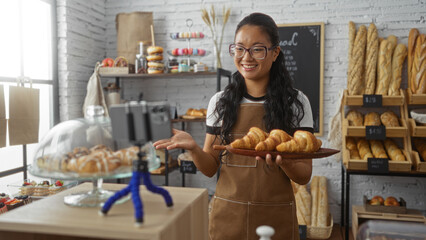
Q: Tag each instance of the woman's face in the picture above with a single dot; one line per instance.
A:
(252, 68)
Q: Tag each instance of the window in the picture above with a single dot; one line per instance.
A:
(28, 48)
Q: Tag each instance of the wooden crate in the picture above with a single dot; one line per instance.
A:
(401, 209)
(356, 100)
(359, 131)
(112, 71)
(415, 129)
(415, 99)
(394, 166)
(360, 215)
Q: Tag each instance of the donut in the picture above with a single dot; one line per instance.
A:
(154, 58)
(120, 62)
(154, 49)
(156, 65)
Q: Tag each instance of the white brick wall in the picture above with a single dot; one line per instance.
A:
(87, 34)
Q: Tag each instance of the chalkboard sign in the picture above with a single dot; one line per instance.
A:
(188, 167)
(378, 165)
(303, 47)
(375, 132)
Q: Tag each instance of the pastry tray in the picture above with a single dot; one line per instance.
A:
(321, 153)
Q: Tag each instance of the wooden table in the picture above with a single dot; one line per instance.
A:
(50, 218)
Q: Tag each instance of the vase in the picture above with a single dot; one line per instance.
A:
(218, 59)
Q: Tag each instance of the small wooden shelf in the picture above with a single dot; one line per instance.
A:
(162, 75)
(357, 100)
(359, 131)
(415, 99)
(178, 120)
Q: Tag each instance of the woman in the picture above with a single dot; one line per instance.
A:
(252, 191)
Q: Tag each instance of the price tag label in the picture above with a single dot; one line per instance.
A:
(302, 232)
(375, 132)
(371, 100)
(378, 165)
(188, 167)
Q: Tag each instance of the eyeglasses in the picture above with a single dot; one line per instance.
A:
(256, 52)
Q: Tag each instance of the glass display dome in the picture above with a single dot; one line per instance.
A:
(84, 149)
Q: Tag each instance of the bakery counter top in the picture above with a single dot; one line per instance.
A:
(50, 218)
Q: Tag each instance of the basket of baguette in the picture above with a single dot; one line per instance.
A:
(312, 208)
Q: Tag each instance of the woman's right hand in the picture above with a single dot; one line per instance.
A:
(180, 139)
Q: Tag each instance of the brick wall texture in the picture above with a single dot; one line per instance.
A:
(87, 34)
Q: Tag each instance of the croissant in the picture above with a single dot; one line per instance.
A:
(378, 149)
(275, 137)
(303, 141)
(350, 144)
(249, 141)
(393, 150)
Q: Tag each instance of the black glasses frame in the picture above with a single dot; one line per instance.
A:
(249, 50)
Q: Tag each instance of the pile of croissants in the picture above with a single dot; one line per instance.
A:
(279, 140)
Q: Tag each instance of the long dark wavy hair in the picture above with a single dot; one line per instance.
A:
(283, 110)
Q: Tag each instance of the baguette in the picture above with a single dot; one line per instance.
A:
(364, 149)
(305, 203)
(323, 202)
(412, 37)
(300, 210)
(393, 40)
(398, 59)
(315, 199)
(356, 86)
(417, 64)
(352, 32)
(394, 153)
(420, 78)
(420, 145)
(371, 59)
(384, 70)
(351, 144)
(377, 149)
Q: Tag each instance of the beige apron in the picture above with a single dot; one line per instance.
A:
(249, 193)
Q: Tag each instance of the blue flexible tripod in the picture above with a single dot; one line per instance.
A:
(139, 169)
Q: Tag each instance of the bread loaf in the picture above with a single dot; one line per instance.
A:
(301, 220)
(315, 200)
(377, 149)
(356, 86)
(417, 69)
(421, 73)
(420, 145)
(412, 37)
(323, 202)
(394, 153)
(398, 58)
(389, 119)
(371, 59)
(372, 119)
(355, 118)
(352, 32)
(384, 71)
(364, 149)
(351, 144)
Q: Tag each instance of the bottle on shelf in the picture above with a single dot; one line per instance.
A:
(141, 62)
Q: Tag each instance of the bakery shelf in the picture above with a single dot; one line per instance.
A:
(162, 75)
(357, 100)
(415, 99)
(394, 166)
(180, 119)
(359, 131)
(415, 129)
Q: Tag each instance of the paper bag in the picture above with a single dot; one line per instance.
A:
(24, 115)
(95, 94)
(3, 121)
(131, 29)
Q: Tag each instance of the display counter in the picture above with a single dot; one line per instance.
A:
(50, 218)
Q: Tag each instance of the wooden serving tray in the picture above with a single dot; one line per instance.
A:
(321, 153)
